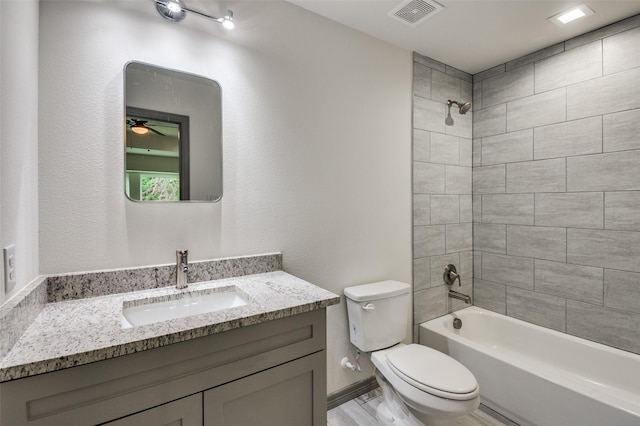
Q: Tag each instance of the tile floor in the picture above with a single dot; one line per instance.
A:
(362, 412)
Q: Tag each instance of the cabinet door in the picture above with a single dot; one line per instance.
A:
(292, 394)
(182, 412)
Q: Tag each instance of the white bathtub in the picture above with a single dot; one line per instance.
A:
(537, 376)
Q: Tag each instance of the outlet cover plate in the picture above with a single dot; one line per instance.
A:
(9, 255)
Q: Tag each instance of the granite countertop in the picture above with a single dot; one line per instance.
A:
(76, 332)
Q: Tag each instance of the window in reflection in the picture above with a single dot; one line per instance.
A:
(157, 156)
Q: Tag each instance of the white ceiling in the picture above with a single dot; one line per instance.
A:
(473, 35)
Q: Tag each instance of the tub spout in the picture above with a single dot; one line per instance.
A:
(459, 296)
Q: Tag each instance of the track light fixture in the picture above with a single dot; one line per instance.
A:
(176, 10)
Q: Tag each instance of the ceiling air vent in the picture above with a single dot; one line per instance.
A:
(414, 12)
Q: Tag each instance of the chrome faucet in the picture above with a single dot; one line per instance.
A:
(182, 267)
(455, 295)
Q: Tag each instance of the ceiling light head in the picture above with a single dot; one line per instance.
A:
(563, 18)
(140, 129)
(176, 10)
(171, 10)
(227, 21)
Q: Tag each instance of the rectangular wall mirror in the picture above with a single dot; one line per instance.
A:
(173, 135)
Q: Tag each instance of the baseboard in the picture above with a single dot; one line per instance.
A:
(350, 392)
(493, 413)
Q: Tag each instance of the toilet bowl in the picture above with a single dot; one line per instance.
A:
(420, 385)
(434, 387)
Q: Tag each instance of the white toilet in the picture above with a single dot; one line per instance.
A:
(420, 385)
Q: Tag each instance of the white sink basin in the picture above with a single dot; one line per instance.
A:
(184, 305)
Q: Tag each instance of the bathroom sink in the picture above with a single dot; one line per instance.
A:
(136, 313)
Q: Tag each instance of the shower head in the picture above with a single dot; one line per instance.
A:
(463, 107)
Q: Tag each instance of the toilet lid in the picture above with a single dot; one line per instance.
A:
(432, 371)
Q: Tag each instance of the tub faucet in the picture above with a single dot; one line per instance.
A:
(182, 267)
(459, 296)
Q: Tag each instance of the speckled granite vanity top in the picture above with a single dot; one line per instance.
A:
(75, 332)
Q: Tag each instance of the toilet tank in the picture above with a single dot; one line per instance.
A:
(378, 314)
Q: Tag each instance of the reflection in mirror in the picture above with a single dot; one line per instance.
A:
(157, 153)
(173, 142)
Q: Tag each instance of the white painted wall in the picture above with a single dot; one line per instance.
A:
(19, 138)
(317, 146)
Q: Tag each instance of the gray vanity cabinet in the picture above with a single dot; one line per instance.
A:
(272, 373)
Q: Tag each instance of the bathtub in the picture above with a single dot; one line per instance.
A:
(536, 376)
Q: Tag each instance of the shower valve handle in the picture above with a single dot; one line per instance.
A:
(451, 275)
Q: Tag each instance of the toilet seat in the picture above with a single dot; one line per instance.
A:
(433, 372)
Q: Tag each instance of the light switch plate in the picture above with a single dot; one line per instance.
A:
(9, 254)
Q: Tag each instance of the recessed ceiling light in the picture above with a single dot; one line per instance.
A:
(571, 15)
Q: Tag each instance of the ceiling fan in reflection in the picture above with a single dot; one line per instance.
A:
(140, 127)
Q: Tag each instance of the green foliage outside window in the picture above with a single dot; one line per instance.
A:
(159, 188)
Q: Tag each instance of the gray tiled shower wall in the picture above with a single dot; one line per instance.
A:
(442, 184)
(555, 184)
(556, 187)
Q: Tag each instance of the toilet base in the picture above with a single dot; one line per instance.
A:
(387, 418)
(394, 412)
